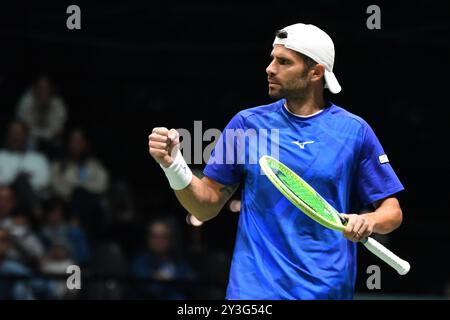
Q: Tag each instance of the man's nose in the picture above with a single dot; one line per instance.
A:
(270, 70)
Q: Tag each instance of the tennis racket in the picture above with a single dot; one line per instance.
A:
(304, 197)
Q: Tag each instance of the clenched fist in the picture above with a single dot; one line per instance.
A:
(163, 145)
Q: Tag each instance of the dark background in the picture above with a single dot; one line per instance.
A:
(137, 65)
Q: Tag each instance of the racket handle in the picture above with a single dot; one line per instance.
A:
(386, 255)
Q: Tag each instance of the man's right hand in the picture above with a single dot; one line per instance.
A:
(163, 145)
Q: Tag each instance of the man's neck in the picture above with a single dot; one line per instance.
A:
(305, 107)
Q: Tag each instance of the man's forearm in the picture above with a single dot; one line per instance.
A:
(199, 200)
(387, 217)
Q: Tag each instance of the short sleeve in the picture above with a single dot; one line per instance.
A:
(375, 177)
(224, 165)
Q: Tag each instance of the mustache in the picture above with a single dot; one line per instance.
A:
(273, 80)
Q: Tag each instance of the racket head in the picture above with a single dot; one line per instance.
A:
(300, 193)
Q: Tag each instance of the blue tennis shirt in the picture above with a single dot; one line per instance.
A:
(280, 253)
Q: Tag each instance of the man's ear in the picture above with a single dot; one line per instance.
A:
(318, 72)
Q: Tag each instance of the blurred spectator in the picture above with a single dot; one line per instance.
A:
(59, 234)
(160, 261)
(55, 262)
(26, 246)
(27, 170)
(79, 169)
(45, 113)
(123, 223)
(7, 204)
(12, 289)
(81, 180)
(108, 260)
(57, 259)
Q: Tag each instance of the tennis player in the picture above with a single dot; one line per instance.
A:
(280, 253)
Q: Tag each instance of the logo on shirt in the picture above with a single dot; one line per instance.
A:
(302, 144)
(383, 159)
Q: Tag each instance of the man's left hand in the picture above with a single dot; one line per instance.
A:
(359, 226)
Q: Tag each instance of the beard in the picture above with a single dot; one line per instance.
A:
(299, 91)
(276, 94)
(294, 89)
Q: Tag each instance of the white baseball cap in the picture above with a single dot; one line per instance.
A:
(314, 43)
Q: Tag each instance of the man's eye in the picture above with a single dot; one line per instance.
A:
(283, 61)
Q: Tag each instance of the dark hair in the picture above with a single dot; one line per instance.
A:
(54, 202)
(9, 126)
(21, 123)
(310, 63)
(6, 231)
(42, 76)
(175, 230)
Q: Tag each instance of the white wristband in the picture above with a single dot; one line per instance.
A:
(178, 174)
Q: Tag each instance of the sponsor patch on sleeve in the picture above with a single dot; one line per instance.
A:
(383, 159)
